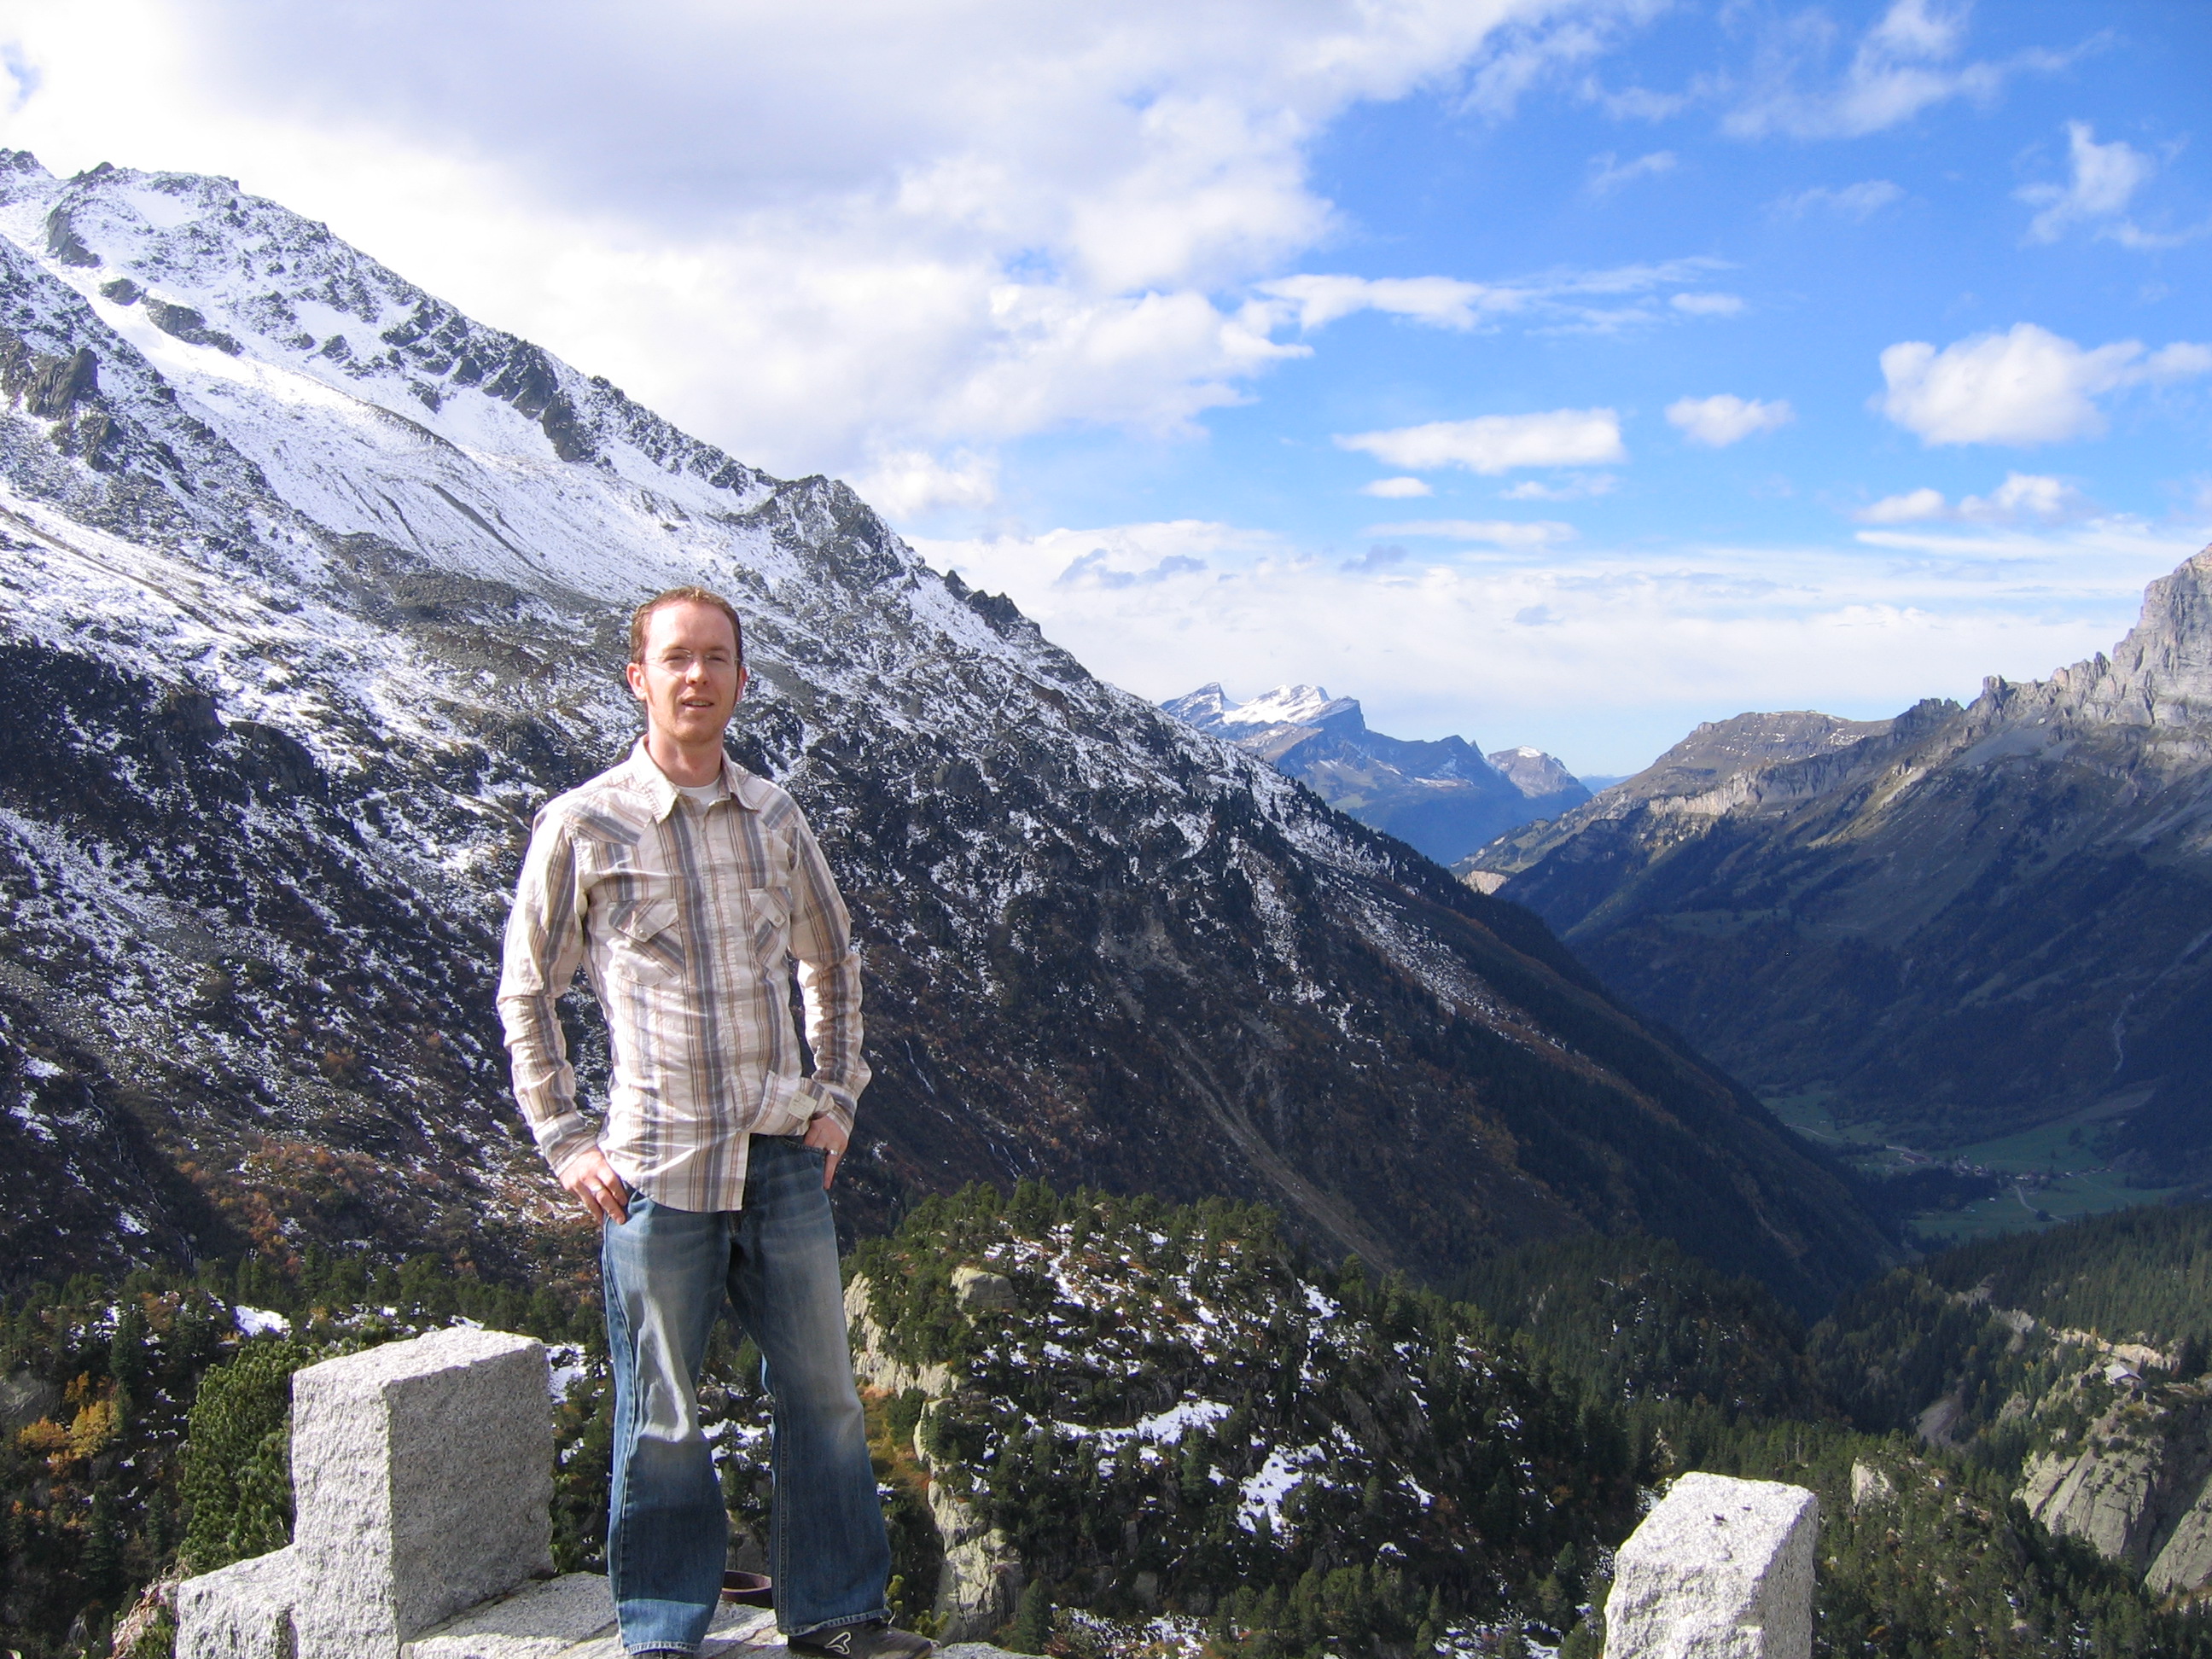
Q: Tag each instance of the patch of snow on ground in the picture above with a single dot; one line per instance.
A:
(260, 1322)
(1264, 1492)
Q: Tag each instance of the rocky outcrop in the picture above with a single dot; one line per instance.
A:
(2138, 1489)
(980, 1578)
(1961, 922)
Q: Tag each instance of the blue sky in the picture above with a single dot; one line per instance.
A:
(1553, 373)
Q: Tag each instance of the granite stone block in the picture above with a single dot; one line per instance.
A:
(243, 1611)
(1722, 1568)
(422, 1474)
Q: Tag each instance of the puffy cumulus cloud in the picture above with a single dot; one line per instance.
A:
(1860, 201)
(1395, 490)
(2026, 496)
(1535, 644)
(909, 482)
(2022, 498)
(820, 235)
(1498, 443)
(1718, 422)
(2026, 386)
(1908, 61)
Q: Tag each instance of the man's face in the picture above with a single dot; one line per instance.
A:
(690, 679)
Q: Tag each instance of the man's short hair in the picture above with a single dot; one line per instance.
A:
(689, 594)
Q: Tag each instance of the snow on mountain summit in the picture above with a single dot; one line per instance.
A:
(1289, 705)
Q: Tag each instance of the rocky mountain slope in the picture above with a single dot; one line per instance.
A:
(2072, 1363)
(1445, 796)
(316, 588)
(1963, 921)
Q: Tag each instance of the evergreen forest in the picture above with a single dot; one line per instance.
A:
(1199, 1442)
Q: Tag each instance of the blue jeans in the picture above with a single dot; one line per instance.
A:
(667, 1533)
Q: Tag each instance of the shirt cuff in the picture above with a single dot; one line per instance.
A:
(563, 1140)
(831, 1103)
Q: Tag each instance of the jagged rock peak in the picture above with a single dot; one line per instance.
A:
(2162, 673)
(1532, 771)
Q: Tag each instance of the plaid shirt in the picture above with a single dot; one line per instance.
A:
(686, 921)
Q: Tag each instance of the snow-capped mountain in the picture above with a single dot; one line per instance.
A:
(1445, 796)
(316, 589)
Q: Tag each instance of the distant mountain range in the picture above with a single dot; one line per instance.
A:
(1444, 797)
(1959, 922)
(316, 589)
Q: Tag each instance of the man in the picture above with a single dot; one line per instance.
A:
(683, 886)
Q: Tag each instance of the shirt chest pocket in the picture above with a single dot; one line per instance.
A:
(648, 946)
(768, 913)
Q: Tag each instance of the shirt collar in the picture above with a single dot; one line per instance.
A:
(739, 785)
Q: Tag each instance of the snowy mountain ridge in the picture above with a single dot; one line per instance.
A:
(1446, 797)
(317, 588)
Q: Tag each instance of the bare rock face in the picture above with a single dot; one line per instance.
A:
(980, 1577)
(1722, 1568)
(979, 1291)
(2139, 1489)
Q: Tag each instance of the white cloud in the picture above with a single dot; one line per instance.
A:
(1544, 46)
(2026, 387)
(1607, 298)
(1395, 490)
(1913, 506)
(2106, 178)
(1498, 443)
(1718, 422)
(1608, 172)
(909, 482)
(1860, 201)
(1440, 301)
(2022, 498)
(1498, 532)
(1904, 64)
(1707, 305)
(821, 236)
